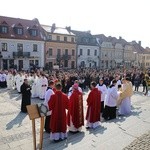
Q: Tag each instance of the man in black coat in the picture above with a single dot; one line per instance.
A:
(26, 95)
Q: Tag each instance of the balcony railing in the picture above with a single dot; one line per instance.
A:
(63, 57)
(21, 54)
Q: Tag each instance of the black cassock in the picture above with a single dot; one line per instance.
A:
(26, 96)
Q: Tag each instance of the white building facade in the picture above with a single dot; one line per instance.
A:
(88, 56)
(22, 44)
(21, 54)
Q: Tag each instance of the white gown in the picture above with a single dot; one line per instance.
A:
(43, 86)
(34, 91)
(9, 80)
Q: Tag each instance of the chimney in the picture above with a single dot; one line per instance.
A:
(68, 28)
(140, 43)
(53, 27)
(89, 31)
(120, 38)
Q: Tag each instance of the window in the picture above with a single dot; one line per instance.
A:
(81, 51)
(88, 52)
(58, 38)
(51, 64)
(50, 51)
(35, 47)
(95, 52)
(72, 39)
(58, 51)
(34, 32)
(72, 64)
(4, 29)
(11, 63)
(73, 52)
(19, 31)
(4, 46)
(65, 39)
(31, 62)
(36, 63)
(49, 37)
(5, 64)
(66, 63)
(66, 51)
(20, 47)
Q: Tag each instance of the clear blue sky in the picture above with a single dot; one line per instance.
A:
(127, 18)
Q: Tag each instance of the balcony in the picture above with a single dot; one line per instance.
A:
(66, 57)
(63, 57)
(21, 54)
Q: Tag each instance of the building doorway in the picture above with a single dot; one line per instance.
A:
(72, 65)
(5, 64)
(20, 64)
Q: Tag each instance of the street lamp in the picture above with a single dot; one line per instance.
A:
(135, 60)
(1, 56)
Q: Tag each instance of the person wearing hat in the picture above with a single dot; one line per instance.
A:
(58, 104)
(102, 87)
(71, 89)
(75, 113)
(94, 107)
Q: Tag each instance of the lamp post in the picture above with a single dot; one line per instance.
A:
(135, 60)
(123, 57)
(1, 60)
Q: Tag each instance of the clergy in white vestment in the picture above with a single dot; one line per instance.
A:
(3, 80)
(34, 91)
(43, 85)
(48, 94)
(117, 78)
(9, 80)
(19, 82)
(38, 85)
(102, 87)
(111, 102)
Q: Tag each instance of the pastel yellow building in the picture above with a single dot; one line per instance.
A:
(60, 48)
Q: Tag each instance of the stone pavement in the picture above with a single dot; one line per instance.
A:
(141, 143)
(16, 128)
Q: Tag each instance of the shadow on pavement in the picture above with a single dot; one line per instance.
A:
(98, 130)
(13, 94)
(17, 120)
(136, 111)
(72, 139)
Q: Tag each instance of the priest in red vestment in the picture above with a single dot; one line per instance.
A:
(75, 112)
(58, 104)
(94, 107)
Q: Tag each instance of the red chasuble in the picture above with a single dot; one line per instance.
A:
(76, 109)
(94, 105)
(58, 103)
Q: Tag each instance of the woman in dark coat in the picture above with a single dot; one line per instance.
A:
(26, 95)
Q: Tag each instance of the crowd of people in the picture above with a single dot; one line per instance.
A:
(62, 90)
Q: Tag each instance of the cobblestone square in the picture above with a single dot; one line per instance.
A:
(16, 128)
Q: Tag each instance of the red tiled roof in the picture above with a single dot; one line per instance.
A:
(25, 24)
